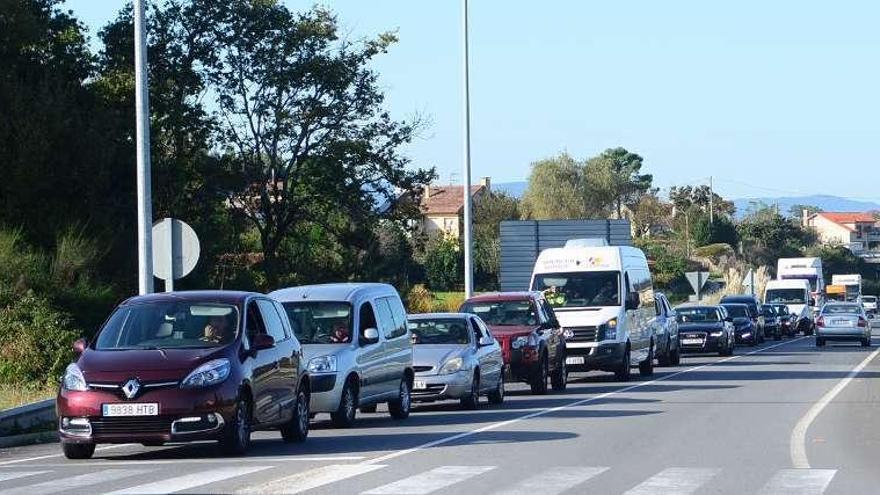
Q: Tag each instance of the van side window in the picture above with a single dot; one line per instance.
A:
(386, 320)
(367, 318)
(399, 314)
(272, 321)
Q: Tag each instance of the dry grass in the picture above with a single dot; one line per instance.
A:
(12, 396)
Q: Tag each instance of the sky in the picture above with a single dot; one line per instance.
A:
(769, 98)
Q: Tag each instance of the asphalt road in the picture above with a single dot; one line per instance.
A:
(781, 418)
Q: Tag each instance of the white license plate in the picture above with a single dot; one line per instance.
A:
(842, 323)
(419, 385)
(692, 341)
(134, 409)
(574, 360)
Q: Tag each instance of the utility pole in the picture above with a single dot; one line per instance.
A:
(687, 234)
(466, 166)
(144, 187)
(711, 202)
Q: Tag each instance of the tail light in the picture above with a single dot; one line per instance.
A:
(862, 322)
(820, 322)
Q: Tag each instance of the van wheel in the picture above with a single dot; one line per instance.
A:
(646, 367)
(297, 430)
(346, 412)
(623, 371)
(400, 408)
(472, 400)
(238, 435)
(369, 408)
(539, 381)
(78, 450)
(497, 396)
(559, 379)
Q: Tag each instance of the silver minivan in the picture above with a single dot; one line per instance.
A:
(358, 346)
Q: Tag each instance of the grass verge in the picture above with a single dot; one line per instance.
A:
(14, 396)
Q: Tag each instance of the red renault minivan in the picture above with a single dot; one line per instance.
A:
(184, 366)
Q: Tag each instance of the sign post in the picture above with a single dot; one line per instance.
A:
(176, 250)
(697, 281)
(749, 282)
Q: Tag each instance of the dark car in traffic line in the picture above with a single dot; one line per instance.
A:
(185, 366)
(787, 322)
(744, 326)
(666, 333)
(772, 326)
(754, 310)
(532, 342)
(705, 329)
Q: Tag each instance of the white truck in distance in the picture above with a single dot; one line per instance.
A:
(853, 284)
(809, 269)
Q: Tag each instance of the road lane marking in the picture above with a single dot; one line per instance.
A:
(76, 482)
(49, 456)
(19, 474)
(554, 481)
(188, 481)
(230, 460)
(798, 441)
(430, 481)
(799, 482)
(311, 479)
(576, 403)
(675, 481)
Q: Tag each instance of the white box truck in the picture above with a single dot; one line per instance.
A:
(809, 269)
(853, 284)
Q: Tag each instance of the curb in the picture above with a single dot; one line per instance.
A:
(28, 439)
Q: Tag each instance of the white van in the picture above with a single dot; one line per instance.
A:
(795, 294)
(604, 300)
(809, 269)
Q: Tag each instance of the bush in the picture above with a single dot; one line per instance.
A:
(449, 302)
(36, 339)
(419, 300)
(444, 262)
(714, 251)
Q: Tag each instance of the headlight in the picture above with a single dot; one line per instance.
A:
(452, 366)
(208, 374)
(519, 342)
(609, 329)
(716, 334)
(74, 379)
(612, 323)
(323, 364)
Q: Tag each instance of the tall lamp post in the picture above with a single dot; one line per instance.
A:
(466, 165)
(142, 115)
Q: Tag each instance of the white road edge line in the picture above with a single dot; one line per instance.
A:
(495, 426)
(49, 456)
(798, 442)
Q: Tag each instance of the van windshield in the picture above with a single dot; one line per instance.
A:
(580, 289)
(169, 325)
(786, 296)
(320, 322)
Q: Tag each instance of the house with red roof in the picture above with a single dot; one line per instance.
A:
(858, 231)
(443, 207)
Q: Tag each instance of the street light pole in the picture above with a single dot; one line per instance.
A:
(142, 116)
(466, 166)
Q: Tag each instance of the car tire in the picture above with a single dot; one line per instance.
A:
(497, 396)
(665, 359)
(820, 342)
(753, 341)
(538, 383)
(400, 408)
(559, 378)
(369, 408)
(646, 367)
(297, 430)
(866, 342)
(623, 372)
(237, 439)
(675, 358)
(345, 414)
(471, 401)
(78, 450)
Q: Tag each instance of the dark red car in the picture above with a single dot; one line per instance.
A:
(532, 342)
(185, 366)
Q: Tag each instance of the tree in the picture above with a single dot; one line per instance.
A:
(769, 236)
(722, 231)
(555, 190)
(492, 209)
(624, 184)
(308, 139)
(444, 260)
(686, 197)
(796, 212)
(650, 213)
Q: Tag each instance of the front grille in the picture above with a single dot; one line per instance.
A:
(422, 369)
(430, 389)
(150, 424)
(583, 334)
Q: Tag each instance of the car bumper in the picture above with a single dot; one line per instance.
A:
(175, 422)
(842, 333)
(604, 356)
(441, 387)
(326, 401)
(709, 344)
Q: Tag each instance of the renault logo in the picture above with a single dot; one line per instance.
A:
(131, 388)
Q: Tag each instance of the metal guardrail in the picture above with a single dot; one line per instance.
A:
(37, 416)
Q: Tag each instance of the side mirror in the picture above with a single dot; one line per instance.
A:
(370, 336)
(263, 341)
(79, 346)
(632, 300)
(486, 341)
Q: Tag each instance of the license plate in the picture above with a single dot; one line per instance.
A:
(692, 341)
(419, 385)
(574, 360)
(841, 323)
(137, 409)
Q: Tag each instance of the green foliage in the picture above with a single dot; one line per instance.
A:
(714, 251)
(840, 260)
(796, 212)
(444, 262)
(555, 190)
(700, 197)
(768, 236)
(624, 183)
(722, 231)
(419, 300)
(669, 264)
(489, 212)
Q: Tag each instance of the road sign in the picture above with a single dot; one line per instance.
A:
(749, 282)
(175, 250)
(697, 281)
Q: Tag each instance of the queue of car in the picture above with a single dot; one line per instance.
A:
(217, 365)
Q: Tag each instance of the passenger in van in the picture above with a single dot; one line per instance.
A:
(607, 294)
(340, 334)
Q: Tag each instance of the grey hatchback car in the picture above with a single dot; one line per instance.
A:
(455, 356)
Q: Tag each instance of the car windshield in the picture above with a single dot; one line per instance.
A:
(693, 315)
(439, 331)
(841, 309)
(786, 296)
(737, 310)
(320, 322)
(504, 313)
(580, 289)
(168, 325)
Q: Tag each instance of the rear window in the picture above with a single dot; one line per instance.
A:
(842, 309)
(737, 311)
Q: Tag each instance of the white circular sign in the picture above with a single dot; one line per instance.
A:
(175, 249)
